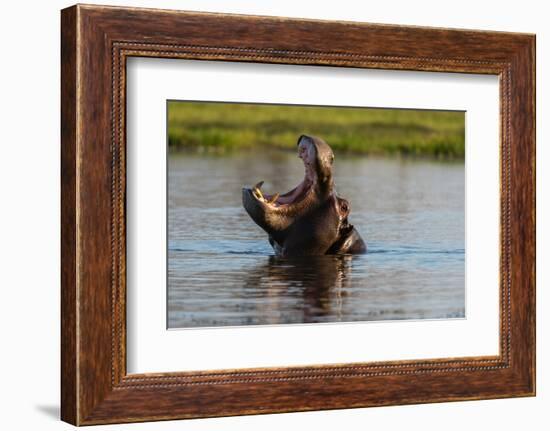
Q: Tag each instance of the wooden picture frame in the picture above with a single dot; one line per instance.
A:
(95, 43)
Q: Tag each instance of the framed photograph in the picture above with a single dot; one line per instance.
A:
(263, 214)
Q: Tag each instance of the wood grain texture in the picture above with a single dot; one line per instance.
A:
(69, 397)
(96, 41)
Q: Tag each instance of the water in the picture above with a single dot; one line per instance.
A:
(222, 271)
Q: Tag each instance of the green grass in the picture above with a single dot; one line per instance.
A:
(223, 127)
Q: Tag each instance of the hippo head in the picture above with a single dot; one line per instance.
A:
(309, 219)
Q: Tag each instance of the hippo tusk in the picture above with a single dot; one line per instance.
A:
(257, 191)
(274, 198)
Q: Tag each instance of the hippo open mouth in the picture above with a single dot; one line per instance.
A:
(309, 219)
(298, 193)
(277, 200)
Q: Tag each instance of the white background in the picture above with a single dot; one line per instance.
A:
(29, 226)
(151, 348)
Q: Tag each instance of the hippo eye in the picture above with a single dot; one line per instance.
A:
(344, 207)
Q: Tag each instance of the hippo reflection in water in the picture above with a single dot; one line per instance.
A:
(317, 286)
(310, 219)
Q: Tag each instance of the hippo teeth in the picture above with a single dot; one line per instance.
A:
(274, 198)
(257, 191)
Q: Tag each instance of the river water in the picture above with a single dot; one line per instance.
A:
(222, 271)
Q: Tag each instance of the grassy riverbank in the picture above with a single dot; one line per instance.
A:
(223, 127)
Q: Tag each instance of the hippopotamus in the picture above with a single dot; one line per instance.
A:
(311, 219)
